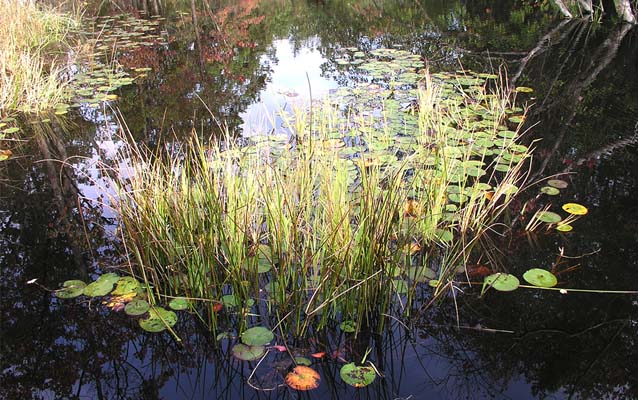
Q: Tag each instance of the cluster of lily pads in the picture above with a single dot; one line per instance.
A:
(124, 32)
(574, 210)
(128, 294)
(7, 127)
(505, 282)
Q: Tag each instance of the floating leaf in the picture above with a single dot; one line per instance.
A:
(125, 285)
(548, 216)
(540, 277)
(71, 289)
(158, 320)
(179, 303)
(5, 154)
(575, 208)
(230, 300)
(421, 274)
(564, 227)
(502, 282)
(257, 336)
(303, 378)
(524, 89)
(303, 361)
(111, 278)
(98, 288)
(557, 183)
(357, 376)
(348, 326)
(549, 190)
(137, 307)
(400, 286)
(247, 353)
(319, 354)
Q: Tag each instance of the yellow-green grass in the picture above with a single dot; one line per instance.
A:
(300, 229)
(34, 54)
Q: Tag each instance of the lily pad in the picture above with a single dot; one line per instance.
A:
(400, 286)
(71, 289)
(257, 336)
(357, 376)
(564, 227)
(549, 217)
(502, 282)
(110, 277)
(158, 320)
(247, 353)
(421, 274)
(98, 288)
(303, 378)
(550, 190)
(557, 183)
(137, 307)
(179, 303)
(540, 277)
(126, 285)
(303, 361)
(348, 326)
(575, 208)
(230, 300)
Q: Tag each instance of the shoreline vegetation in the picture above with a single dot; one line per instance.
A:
(37, 44)
(347, 215)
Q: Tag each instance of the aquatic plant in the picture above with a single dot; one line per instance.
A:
(342, 215)
(33, 55)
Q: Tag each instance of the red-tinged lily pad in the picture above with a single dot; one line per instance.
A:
(303, 378)
(248, 353)
(502, 282)
(540, 277)
(575, 208)
(357, 376)
(257, 336)
(557, 183)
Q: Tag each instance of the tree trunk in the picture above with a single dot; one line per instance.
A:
(623, 7)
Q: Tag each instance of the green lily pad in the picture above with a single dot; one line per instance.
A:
(421, 274)
(230, 300)
(348, 326)
(179, 303)
(71, 289)
(303, 361)
(357, 376)
(549, 217)
(400, 286)
(502, 282)
(137, 307)
(564, 227)
(550, 190)
(540, 277)
(247, 353)
(158, 320)
(126, 285)
(257, 336)
(98, 288)
(111, 278)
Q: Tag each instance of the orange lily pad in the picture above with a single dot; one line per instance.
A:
(303, 378)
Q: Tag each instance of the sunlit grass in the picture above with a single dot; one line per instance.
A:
(297, 231)
(34, 44)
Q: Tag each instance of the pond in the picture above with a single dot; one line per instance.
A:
(247, 62)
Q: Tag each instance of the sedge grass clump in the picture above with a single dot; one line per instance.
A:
(34, 44)
(342, 216)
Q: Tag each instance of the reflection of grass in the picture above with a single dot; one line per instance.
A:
(315, 230)
(32, 42)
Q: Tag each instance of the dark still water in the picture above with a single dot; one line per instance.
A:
(248, 60)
